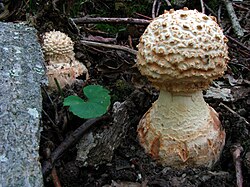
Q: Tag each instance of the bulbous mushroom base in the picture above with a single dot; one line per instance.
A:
(64, 73)
(182, 130)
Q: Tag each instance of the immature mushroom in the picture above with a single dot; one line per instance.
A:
(60, 57)
(182, 52)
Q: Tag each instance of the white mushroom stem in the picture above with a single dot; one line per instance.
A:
(185, 113)
(181, 128)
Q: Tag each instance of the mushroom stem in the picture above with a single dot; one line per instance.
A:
(183, 111)
(181, 128)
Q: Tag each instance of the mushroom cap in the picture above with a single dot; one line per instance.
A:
(182, 50)
(57, 46)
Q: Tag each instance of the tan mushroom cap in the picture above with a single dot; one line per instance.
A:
(57, 46)
(182, 50)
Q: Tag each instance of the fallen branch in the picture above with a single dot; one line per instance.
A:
(85, 20)
(235, 23)
(69, 141)
(236, 151)
(117, 47)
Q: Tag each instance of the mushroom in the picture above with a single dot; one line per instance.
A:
(182, 52)
(60, 57)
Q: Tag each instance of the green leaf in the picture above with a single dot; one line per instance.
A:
(98, 101)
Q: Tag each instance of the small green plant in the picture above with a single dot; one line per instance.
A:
(96, 104)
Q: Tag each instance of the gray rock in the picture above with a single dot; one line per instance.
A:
(21, 73)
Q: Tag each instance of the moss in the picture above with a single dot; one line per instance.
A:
(121, 90)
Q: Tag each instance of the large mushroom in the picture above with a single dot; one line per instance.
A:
(60, 57)
(182, 52)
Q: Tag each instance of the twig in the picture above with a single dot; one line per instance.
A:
(239, 43)
(99, 39)
(74, 26)
(69, 141)
(219, 14)
(158, 9)
(85, 20)
(153, 8)
(168, 3)
(202, 7)
(117, 47)
(233, 112)
(130, 41)
(55, 178)
(54, 5)
(240, 7)
(74, 137)
(240, 65)
(245, 53)
(236, 151)
(235, 23)
(146, 17)
(210, 10)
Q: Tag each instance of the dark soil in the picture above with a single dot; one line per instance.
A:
(128, 165)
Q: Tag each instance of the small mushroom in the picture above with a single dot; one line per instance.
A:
(60, 57)
(182, 52)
